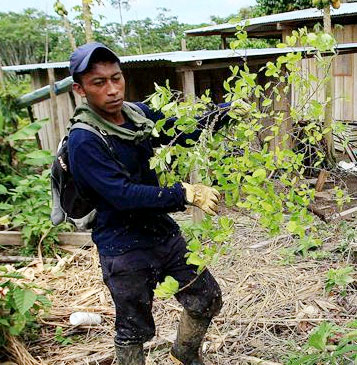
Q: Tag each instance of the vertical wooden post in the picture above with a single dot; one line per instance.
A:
(188, 81)
(32, 119)
(54, 108)
(330, 147)
(223, 42)
(183, 44)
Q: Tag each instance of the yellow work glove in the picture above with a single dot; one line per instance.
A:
(202, 196)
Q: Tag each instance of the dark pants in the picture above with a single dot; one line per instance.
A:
(133, 276)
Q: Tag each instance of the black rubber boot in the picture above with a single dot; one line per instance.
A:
(187, 347)
(130, 354)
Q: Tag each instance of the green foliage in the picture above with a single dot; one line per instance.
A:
(266, 7)
(29, 209)
(340, 278)
(27, 131)
(328, 344)
(205, 243)
(23, 36)
(61, 339)
(167, 289)
(20, 304)
(24, 201)
(253, 174)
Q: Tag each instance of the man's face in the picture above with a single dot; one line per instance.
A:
(104, 88)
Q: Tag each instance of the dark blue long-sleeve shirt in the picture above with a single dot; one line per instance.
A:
(132, 212)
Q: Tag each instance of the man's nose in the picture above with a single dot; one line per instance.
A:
(112, 88)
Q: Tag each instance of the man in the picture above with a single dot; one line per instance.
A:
(138, 243)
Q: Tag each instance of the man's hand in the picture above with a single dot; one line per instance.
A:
(203, 197)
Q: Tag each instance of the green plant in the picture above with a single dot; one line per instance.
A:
(61, 339)
(20, 304)
(339, 278)
(349, 235)
(327, 344)
(28, 208)
(256, 164)
(205, 242)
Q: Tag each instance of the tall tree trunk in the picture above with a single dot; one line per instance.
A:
(68, 28)
(87, 16)
(330, 147)
(123, 36)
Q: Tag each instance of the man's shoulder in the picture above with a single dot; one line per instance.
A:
(84, 141)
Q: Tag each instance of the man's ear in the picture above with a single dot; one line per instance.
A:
(78, 88)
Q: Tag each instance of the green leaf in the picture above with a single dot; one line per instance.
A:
(44, 300)
(260, 173)
(39, 158)
(3, 189)
(318, 338)
(267, 102)
(168, 288)
(4, 322)
(5, 206)
(24, 299)
(28, 131)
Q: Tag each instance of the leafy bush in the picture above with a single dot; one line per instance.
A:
(25, 183)
(328, 344)
(20, 303)
(29, 209)
(259, 159)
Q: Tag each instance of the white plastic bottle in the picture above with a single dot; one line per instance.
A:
(85, 318)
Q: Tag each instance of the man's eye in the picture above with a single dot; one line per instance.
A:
(116, 78)
(99, 83)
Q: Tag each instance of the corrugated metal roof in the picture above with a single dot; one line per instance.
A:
(306, 14)
(182, 57)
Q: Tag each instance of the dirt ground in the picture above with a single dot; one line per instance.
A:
(272, 301)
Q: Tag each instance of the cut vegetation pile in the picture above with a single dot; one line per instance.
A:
(272, 301)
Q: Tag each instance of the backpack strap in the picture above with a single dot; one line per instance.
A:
(104, 137)
(87, 127)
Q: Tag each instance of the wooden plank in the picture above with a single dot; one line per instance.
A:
(354, 75)
(54, 107)
(345, 214)
(75, 239)
(323, 175)
(13, 238)
(338, 101)
(12, 259)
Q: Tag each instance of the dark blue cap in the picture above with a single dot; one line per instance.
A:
(80, 58)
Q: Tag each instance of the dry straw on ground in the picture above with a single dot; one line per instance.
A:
(268, 306)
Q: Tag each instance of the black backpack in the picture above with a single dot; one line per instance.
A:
(68, 202)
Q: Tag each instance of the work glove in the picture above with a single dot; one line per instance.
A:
(202, 196)
(241, 107)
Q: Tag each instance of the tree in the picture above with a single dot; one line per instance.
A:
(62, 12)
(266, 7)
(121, 4)
(23, 37)
(87, 17)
